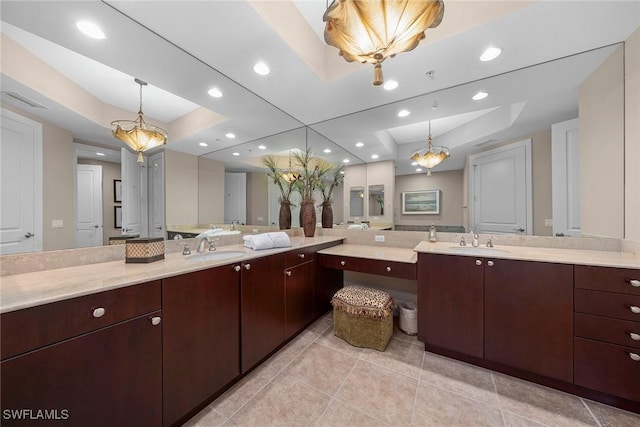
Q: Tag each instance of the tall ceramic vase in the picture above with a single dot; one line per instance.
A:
(284, 219)
(327, 214)
(308, 218)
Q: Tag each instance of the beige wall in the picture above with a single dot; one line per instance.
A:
(601, 130)
(632, 136)
(110, 172)
(58, 172)
(210, 191)
(257, 198)
(382, 173)
(450, 185)
(181, 188)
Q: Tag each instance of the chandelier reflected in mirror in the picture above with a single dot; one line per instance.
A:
(290, 175)
(370, 31)
(138, 134)
(431, 156)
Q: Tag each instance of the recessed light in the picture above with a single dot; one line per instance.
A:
(261, 68)
(236, 153)
(346, 161)
(403, 113)
(262, 147)
(490, 54)
(374, 156)
(359, 144)
(230, 135)
(480, 95)
(203, 144)
(326, 150)
(90, 29)
(215, 92)
(390, 85)
(100, 154)
(414, 163)
(418, 169)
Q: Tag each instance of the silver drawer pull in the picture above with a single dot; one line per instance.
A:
(635, 337)
(388, 268)
(99, 312)
(155, 321)
(490, 263)
(342, 263)
(289, 273)
(635, 283)
(301, 256)
(236, 268)
(247, 266)
(635, 356)
(478, 262)
(635, 309)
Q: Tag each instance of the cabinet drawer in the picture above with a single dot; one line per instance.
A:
(399, 270)
(299, 256)
(31, 328)
(609, 279)
(619, 306)
(613, 331)
(607, 368)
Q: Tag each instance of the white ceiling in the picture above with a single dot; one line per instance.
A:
(183, 48)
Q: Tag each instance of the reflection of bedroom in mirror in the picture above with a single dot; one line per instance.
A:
(376, 200)
(356, 201)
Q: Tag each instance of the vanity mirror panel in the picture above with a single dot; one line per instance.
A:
(376, 200)
(356, 201)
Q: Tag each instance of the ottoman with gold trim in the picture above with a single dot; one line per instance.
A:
(363, 317)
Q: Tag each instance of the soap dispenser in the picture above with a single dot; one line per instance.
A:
(432, 233)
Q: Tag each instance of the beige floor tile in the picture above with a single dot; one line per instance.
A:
(339, 414)
(234, 398)
(379, 392)
(513, 420)
(401, 356)
(286, 354)
(322, 368)
(541, 404)
(206, 418)
(438, 407)
(398, 334)
(283, 402)
(612, 417)
(316, 329)
(459, 377)
(329, 340)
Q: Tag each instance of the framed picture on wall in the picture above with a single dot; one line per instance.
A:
(117, 216)
(421, 202)
(117, 191)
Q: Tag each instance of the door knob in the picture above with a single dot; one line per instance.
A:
(158, 228)
(96, 226)
(155, 321)
(519, 229)
(28, 235)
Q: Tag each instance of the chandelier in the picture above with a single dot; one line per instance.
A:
(430, 157)
(138, 134)
(290, 175)
(369, 31)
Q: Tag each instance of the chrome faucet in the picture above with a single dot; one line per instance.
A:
(490, 242)
(476, 240)
(210, 240)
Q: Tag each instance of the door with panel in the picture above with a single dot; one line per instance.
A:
(299, 292)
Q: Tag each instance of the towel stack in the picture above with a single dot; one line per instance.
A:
(362, 226)
(278, 239)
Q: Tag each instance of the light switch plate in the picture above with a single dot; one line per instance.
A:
(57, 223)
(379, 238)
(548, 223)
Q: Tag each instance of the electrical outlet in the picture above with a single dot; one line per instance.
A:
(379, 238)
(548, 223)
(57, 223)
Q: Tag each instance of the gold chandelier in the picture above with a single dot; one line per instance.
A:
(430, 157)
(138, 134)
(372, 30)
(290, 175)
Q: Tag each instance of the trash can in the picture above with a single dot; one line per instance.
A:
(408, 318)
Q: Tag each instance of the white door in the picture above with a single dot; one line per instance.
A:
(565, 171)
(21, 184)
(156, 195)
(89, 206)
(500, 190)
(132, 194)
(235, 197)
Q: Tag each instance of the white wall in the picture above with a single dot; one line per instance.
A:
(632, 137)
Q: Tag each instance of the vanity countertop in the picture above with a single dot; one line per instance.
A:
(525, 253)
(373, 252)
(31, 289)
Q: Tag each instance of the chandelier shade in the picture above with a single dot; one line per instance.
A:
(369, 31)
(138, 134)
(431, 156)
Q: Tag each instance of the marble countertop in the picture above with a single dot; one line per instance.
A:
(555, 255)
(31, 289)
(373, 252)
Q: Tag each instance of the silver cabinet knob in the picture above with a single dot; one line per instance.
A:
(478, 262)
(155, 321)
(301, 256)
(247, 266)
(99, 312)
(634, 336)
(388, 268)
(288, 273)
(635, 356)
(635, 309)
(236, 268)
(635, 283)
(490, 263)
(342, 263)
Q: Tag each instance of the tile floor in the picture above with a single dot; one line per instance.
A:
(319, 380)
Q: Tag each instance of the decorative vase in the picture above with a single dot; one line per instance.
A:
(284, 219)
(327, 214)
(308, 218)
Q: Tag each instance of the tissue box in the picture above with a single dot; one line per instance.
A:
(144, 250)
(121, 240)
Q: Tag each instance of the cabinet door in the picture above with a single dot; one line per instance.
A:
(201, 337)
(450, 302)
(299, 288)
(111, 377)
(262, 308)
(529, 316)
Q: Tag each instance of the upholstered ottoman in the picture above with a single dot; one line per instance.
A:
(363, 317)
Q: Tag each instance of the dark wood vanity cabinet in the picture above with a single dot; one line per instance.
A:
(201, 338)
(109, 376)
(299, 292)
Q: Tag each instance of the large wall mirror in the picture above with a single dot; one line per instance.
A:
(257, 118)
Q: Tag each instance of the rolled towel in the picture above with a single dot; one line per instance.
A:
(280, 239)
(355, 227)
(258, 242)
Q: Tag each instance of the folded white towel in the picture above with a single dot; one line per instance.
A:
(355, 227)
(280, 239)
(258, 242)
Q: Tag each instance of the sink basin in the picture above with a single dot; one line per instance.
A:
(214, 256)
(477, 251)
